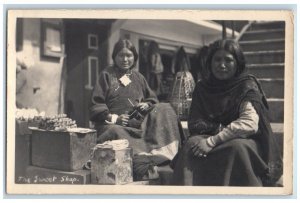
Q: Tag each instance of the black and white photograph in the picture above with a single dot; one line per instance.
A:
(140, 101)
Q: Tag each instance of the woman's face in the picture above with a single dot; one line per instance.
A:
(124, 59)
(223, 65)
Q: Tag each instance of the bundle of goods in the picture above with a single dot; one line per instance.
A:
(113, 144)
(57, 123)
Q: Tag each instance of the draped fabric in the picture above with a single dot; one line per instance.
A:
(233, 163)
(181, 61)
(155, 68)
(156, 75)
(157, 135)
(220, 104)
(236, 162)
(159, 129)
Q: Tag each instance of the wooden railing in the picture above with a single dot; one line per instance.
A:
(238, 37)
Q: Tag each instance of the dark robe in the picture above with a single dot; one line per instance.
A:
(159, 128)
(253, 161)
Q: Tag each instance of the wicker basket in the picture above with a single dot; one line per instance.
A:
(181, 96)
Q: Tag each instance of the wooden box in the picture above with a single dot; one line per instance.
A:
(22, 149)
(67, 151)
(112, 167)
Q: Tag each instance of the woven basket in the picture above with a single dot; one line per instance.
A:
(182, 91)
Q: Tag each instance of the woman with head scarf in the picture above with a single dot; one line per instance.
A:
(231, 141)
(123, 106)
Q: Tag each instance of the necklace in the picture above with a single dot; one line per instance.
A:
(124, 80)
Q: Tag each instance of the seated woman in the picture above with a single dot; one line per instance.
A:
(124, 107)
(231, 141)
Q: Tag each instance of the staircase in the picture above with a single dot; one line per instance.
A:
(264, 47)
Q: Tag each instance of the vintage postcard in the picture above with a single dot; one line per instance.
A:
(145, 101)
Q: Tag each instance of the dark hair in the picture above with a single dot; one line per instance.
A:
(233, 48)
(125, 43)
(202, 56)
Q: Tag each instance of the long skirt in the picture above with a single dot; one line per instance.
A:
(234, 163)
(160, 133)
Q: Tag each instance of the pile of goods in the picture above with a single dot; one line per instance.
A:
(33, 118)
(113, 144)
(58, 123)
(28, 114)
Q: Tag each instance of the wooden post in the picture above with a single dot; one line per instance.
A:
(223, 30)
(233, 29)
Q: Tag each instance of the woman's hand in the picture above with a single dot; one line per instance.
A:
(142, 106)
(200, 147)
(123, 120)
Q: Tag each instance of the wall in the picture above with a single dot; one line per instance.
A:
(44, 74)
(181, 32)
(207, 39)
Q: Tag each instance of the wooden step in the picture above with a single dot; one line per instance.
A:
(267, 25)
(165, 175)
(272, 70)
(278, 133)
(263, 34)
(262, 45)
(273, 88)
(264, 57)
(38, 175)
(276, 110)
(277, 128)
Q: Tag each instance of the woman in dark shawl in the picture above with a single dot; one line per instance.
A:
(231, 141)
(124, 107)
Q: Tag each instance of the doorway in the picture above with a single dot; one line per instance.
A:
(86, 49)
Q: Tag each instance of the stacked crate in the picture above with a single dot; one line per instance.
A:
(52, 157)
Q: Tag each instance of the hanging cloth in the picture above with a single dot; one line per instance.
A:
(155, 79)
(155, 67)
